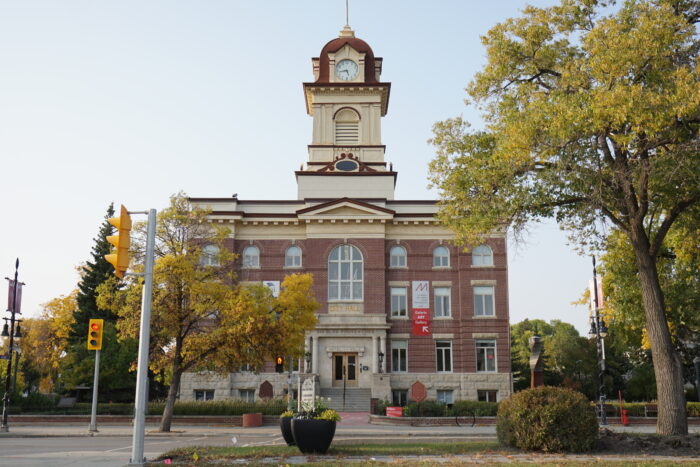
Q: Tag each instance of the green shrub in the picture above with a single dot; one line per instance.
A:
(476, 408)
(548, 419)
(693, 409)
(426, 408)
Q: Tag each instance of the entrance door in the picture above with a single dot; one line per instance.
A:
(345, 369)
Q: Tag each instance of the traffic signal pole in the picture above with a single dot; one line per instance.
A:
(93, 413)
(144, 341)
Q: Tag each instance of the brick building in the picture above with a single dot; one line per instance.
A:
(399, 302)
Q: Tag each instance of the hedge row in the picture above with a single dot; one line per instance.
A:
(222, 407)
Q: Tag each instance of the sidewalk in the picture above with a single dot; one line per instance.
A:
(344, 430)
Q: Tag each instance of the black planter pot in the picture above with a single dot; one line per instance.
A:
(313, 436)
(286, 427)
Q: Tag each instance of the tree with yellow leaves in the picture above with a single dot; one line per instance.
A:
(200, 318)
(591, 116)
(45, 340)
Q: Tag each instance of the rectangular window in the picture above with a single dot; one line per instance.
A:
(445, 396)
(399, 356)
(443, 351)
(247, 395)
(203, 394)
(399, 397)
(246, 367)
(483, 301)
(486, 356)
(442, 302)
(398, 302)
(487, 395)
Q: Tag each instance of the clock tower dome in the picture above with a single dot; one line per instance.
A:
(346, 100)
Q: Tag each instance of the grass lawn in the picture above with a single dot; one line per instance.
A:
(254, 455)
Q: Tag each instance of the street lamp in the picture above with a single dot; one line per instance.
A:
(12, 333)
(599, 331)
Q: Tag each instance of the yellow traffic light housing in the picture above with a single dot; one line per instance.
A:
(95, 334)
(119, 258)
(279, 364)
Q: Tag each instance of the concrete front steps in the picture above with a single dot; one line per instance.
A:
(355, 400)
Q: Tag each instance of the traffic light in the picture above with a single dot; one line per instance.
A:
(95, 334)
(279, 364)
(119, 258)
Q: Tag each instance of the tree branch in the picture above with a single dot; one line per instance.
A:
(668, 221)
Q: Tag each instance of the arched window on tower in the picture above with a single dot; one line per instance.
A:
(292, 257)
(397, 257)
(441, 257)
(345, 273)
(251, 257)
(209, 256)
(482, 256)
(347, 127)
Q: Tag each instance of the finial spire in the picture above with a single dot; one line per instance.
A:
(347, 30)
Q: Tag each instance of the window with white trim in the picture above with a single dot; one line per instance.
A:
(398, 297)
(292, 257)
(203, 394)
(446, 396)
(397, 257)
(482, 256)
(347, 127)
(345, 271)
(486, 355)
(247, 395)
(399, 356)
(442, 302)
(209, 255)
(441, 257)
(443, 354)
(251, 257)
(483, 301)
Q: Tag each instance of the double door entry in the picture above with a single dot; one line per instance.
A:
(345, 369)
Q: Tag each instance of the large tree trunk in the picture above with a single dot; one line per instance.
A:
(668, 368)
(167, 419)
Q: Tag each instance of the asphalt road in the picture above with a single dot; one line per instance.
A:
(110, 451)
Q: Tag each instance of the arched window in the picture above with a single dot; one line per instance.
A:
(347, 127)
(209, 256)
(441, 257)
(251, 257)
(345, 273)
(482, 256)
(292, 257)
(397, 257)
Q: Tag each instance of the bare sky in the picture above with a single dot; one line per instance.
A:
(131, 101)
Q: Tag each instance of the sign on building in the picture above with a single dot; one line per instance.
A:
(274, 287)
(420, 315)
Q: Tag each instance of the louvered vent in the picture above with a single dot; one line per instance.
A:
(346, 132)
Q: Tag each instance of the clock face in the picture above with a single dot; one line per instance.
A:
(346, 69)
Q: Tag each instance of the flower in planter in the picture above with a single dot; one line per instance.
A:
(318, 410)
(287, 414)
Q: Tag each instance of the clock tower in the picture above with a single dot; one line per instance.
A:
(346, 100)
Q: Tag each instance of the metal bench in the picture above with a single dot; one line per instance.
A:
(650, 409)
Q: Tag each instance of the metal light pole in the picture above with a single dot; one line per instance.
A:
(6, 398)
(599, 331)
(144, 340)
(696, 364)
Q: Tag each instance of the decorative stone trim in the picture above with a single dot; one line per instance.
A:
(484, 335)
(444, 336)
(399, 283)
(483, 282)
(400, 335)
(442, 283)
(345, 349)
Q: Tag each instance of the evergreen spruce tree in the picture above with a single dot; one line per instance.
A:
(93, 274)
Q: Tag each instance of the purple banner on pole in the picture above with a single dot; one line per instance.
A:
(11, 294)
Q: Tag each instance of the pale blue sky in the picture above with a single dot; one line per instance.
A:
(131, 101)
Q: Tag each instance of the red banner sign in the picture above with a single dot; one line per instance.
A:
(11, 294)
(393, 411)
(421, 322)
